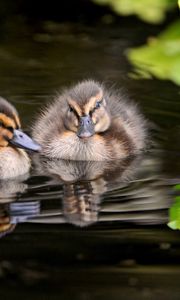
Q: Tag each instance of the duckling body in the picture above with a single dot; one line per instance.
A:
(13, 163)
(88, 122)
(13, 160)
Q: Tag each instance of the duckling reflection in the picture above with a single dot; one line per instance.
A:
(16, 212)
(12, 209)
(73, 171)
(81, 204)
(83, 184)
(5, 225)
(11, 188)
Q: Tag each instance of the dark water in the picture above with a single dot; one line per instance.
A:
(88, 230)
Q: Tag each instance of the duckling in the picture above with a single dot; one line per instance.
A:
(13, 160)
(90, 122)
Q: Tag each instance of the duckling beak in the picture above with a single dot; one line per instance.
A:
(86, 127)
(22, 140)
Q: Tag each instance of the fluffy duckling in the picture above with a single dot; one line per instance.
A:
(90, 122)
(13, 160)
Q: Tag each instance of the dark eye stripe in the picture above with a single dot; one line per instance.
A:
(2, 124)
(17, 126)
(10, 128)
(72, 110)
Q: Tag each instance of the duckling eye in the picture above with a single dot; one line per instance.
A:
(98, 104)
(71, 109)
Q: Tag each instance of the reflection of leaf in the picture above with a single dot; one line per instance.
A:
(174, 214)
(160, 56)
(152, 11)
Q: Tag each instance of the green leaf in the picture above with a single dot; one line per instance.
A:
(174, 214)
(160, 56)
(152, 11)
(177, 187)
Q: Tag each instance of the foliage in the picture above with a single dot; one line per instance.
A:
(174, 214)
(153, 11)
(160, 56)
(174, 211)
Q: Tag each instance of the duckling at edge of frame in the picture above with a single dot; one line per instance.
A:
(14, 161)
(90, 122)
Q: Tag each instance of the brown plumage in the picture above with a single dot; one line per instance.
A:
(89, 122)
(13, 161)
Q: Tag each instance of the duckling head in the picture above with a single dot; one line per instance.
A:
(10, 129)
(87, 112)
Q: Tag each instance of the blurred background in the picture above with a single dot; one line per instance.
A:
(156, 55)
(46, 45)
